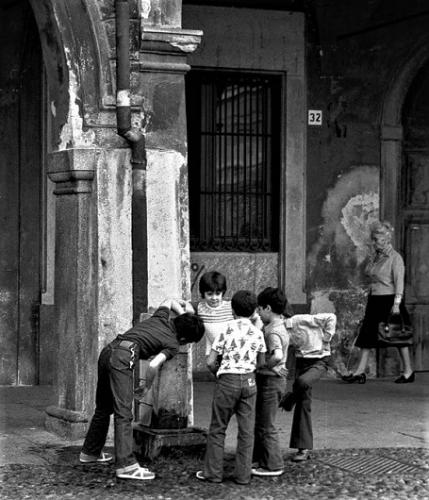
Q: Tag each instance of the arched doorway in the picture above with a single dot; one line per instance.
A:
(413, 215)
(20, 193)
(404, 186)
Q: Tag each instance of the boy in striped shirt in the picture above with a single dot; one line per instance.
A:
(213, 309)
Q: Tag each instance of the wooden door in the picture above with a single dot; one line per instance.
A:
(416, 249)
(20, 193)
(414, 213)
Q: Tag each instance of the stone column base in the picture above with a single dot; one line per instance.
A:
(67, 424)
(148, 442)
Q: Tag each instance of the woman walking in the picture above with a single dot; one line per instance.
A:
(386, 298)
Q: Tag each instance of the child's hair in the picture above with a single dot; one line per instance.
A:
(189, 327)
(212, 282)
(244, 303)
(273, 297)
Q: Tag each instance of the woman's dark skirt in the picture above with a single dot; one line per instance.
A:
(377, 310)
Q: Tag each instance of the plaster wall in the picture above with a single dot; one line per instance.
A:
(167, 222)
(114, 190)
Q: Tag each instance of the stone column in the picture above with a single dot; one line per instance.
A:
(93, 301)
(75, 290)
(162, 66)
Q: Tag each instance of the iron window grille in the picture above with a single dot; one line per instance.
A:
(234, 160)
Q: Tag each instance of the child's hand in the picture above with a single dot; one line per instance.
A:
(189, 308)
(175, 305)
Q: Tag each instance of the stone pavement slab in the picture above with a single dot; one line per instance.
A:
(372, 415)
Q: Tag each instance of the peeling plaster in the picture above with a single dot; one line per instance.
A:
(358, 214)
(167, 248)
(5, 296)
(350, 206)
(335, 280)
(185, 47)
(321, 302)
(144, 8)
(72, 133)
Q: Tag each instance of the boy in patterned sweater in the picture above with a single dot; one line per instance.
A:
(241, 346)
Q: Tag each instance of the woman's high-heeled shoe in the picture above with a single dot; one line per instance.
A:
(351, 379)
(406, 380)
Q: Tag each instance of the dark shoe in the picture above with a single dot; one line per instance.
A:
(200, 475)
(301, 456)
(405, 380)
(288, 401)
(351, 379)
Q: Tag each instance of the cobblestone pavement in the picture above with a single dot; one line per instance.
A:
(316, 478)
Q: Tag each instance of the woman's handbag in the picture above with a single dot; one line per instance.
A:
(395, 333)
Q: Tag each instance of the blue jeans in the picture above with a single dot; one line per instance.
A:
(267, 450)
(115, 394)
(234, 394)
(308, 371)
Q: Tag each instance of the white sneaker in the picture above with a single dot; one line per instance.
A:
(84, 458)
(134, 471)
(260, 471)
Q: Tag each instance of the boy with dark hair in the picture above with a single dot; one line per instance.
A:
(271, 384)
(213, 309)
(241, 346)
(311, 335)
(212, 281)
(157, 336)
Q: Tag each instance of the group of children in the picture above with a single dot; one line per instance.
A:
(247, 343)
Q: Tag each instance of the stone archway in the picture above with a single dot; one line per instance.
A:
(391, 130)
(91, 198)
(402, 198)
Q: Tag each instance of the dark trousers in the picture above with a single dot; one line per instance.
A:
(234, 394)
(308, 372)
(267, 450)
(115, 394)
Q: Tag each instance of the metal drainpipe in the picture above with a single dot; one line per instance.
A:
(137, 143)
(123, 104)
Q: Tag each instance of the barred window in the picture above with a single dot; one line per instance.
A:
(234, 160)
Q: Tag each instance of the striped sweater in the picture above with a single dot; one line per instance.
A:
(215, 320)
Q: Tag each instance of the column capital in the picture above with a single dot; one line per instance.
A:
(165, 49)
(73, 169)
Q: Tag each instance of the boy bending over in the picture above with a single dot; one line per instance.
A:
(157, 336)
